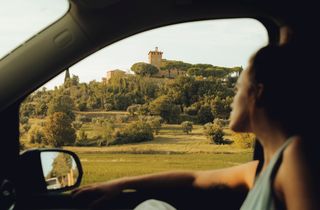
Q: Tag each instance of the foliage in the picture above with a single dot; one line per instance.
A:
(61, 166)
(24, 128)
(186, 117)
(62, 103)
(205, 114)
(244, 140)
(155, 122)
(187, 126)
(58, 130)
(214, 132)
(82, 138)
(221, 107)
(164, 107)
(134, 132)
(190, 110)
(24, 120)
(36, 135)
(133, 109)
(83, 118)
(108, 129)
(207, 70)
(77, 124)
(27, 109)
(122, 118)
(144, 69)
(172, 64)
(163, 97)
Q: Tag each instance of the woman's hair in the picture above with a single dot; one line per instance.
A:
(287, 95)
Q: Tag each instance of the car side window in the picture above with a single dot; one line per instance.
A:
(156, 101)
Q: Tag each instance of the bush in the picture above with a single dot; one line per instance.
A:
(205, 114)
(122, 118)
(244, 140)
(214, 132)
(24, 120)
(133, 109)
(36, 135)
(143, 109)
(108, 129)
(187, 126)
(155, 122)
(134, 132)
(82, 106)
(190, 110)
(26, 127)
(98, 120)
(108, 106)
(83, 118)
(82, 139)
(77, 125)
(186, 117)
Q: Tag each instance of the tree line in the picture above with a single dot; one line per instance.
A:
(199, 96)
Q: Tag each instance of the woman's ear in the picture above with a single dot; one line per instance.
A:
(259, 90)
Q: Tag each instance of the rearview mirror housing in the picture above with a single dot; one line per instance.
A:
(49, 170)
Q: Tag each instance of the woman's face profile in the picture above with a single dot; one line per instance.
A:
(242, 103)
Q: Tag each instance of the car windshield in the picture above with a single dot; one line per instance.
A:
(156, 101)
(20, 20)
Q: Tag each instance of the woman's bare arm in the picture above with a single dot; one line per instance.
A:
(233, 177)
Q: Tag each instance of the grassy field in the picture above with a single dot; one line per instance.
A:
(171, 149)
(171, 140)
(103, 167)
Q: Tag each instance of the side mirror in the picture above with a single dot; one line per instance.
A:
(49, 170)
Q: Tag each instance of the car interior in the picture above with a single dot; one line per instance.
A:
(87, 27)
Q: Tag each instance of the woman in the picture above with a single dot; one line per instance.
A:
(265, 104)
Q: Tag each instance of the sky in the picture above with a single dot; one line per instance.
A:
(226, 43)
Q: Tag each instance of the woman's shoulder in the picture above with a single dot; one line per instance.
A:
(298, 158)
(301, 153)
(297, 177)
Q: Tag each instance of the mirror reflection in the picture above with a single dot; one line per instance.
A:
(59, 169)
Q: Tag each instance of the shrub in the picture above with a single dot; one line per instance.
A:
(36, 135)
(82, 106)
(108, 129)
(122, 118)
(83, 118)
(134, 132)
(108, 106)
(214, 132)
(77, 125)
(190, 110)
(82, 139)
(155, 123)
(24, 120)
(26, 127)
(244, 140)
(205, 114)
(98, 120)
(187, 126)
(143, 109)
(133, 109)
(186, 117)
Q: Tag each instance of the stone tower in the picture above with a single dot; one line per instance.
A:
(155, 58)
